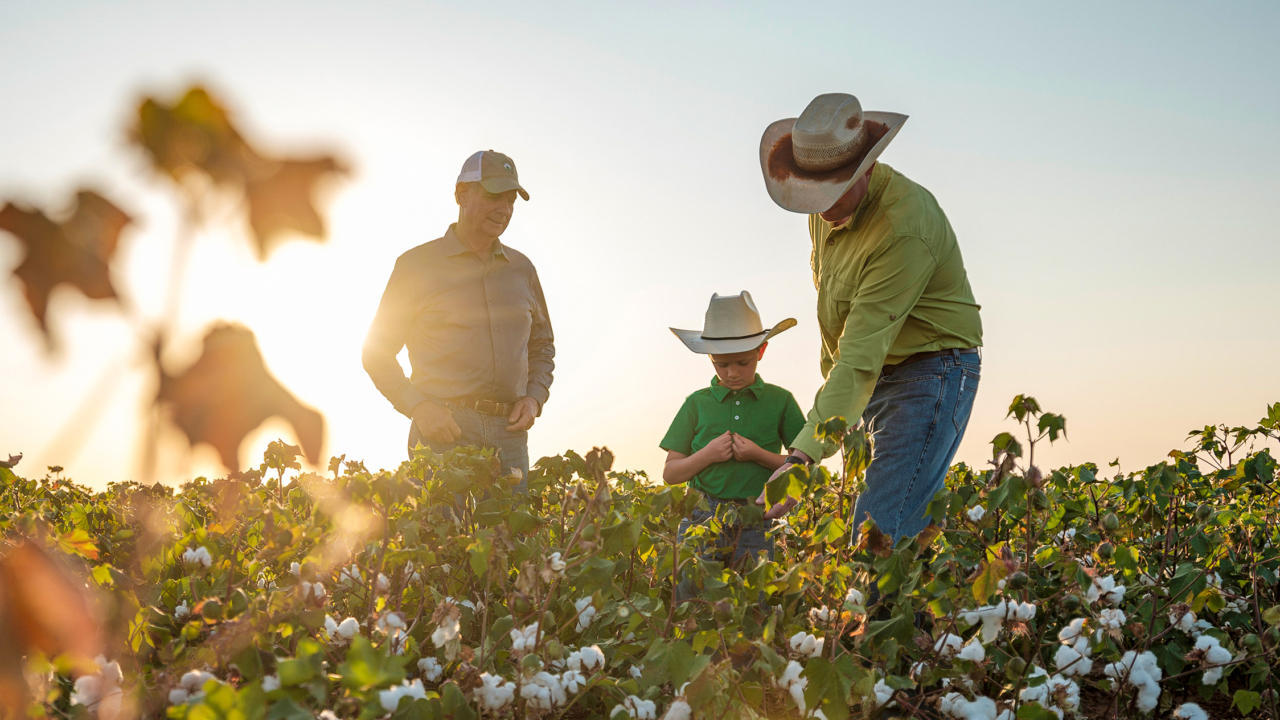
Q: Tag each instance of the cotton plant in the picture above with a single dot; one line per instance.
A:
(586, 612)
(197, 557)
(1143, 673)
(1209, 652)
(100, 691)
(431, 669)
(1075, 653)
(390, 698)
(1058, 694)
(1105, 590)
(543, 691)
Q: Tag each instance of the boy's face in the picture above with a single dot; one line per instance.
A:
(738, 370)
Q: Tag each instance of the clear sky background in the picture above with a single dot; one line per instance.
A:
(1109, 168)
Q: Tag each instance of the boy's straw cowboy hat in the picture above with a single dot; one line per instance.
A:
(732, 325)
(810, 161)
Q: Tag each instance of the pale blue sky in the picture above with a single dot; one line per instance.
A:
(1109, 169)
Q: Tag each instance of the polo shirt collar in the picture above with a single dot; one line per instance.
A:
(453, 246)
(720, 392)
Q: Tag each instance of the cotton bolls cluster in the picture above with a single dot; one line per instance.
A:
(1143, 673)
(993, 617)
(587, 659)
(975, 513)
(390, 623)
(586, 612)
(853, 597)
(431, 669)
(1111, 618)
(806, 645)
(1073, 658)
(1058, 694)
(181, 612)
(494, 693)
(197, 557)
(555, 566)
(793, 683)
(340, 632)
(882, 692)
(543, 691)
(820, 616)
(351, 575)
(678, 710)
(1186, 622)
(636, 708)
(958, 706)
(1212, 653)
(390, 698)
(973, 652)
(1106, 590)
(523, 640)
(572, 680)
(190, 687)
(100, 692)
(948, 645)
(1066, 536)
(1190, 711)
(312, 591)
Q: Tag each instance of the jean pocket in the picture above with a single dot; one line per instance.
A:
(931, 369)
(965, 396)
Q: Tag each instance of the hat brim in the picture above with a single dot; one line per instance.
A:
(498, 185)
(799, 190)
(694, 341)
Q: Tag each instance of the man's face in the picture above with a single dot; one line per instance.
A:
(737, 370)
(844, 207)
(484, 212)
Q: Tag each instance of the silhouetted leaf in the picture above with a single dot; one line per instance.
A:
(76, 251)
(282, 201)
(228, 392)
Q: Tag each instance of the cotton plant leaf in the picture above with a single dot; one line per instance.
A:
(76, 251)
(229, 391)
(283, 201)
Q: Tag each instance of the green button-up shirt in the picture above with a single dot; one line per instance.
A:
(891, 283)
(475, 327)
(764, 414)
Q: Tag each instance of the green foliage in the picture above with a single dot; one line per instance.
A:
(412, 593)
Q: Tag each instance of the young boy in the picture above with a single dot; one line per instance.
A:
(727, 438)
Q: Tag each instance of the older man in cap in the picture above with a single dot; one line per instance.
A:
(900, 327)
(471, 311)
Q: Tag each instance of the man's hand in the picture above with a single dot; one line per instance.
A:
(435, 422)
(720, 449)
(523, 414)
(785, 506)
(744, 450)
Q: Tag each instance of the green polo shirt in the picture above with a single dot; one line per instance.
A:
(764, 414)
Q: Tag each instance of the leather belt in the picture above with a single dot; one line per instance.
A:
(956, 352)
(484, 406)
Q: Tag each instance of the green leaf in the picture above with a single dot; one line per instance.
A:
(287, 709)
(1271, 615)
(455, 704)
(1005, 442)
(1035, 711)
(369, 667)
(1054, 425)
(479, 551)
(993, 571)
(827, 689)
(1246, 700)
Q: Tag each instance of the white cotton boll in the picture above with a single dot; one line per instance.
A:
(587, 659)
(883, 693)
(1144, 674)
(195, 680)
(636, 708)
(431, 669)
(1069, 661)
(948, 645)
(327, 715)
(1112, 618)
(330, 626)
(88, 690)
(494, 693)
(1073, 631)
(1185, 622)
(182, 612)
(572, 681)
(1214, 654)
(1027, 611)
(1190, 711)
(348, 628)
(312, 590)
(544, 691)
(947, 702)
(390, 622)
(820, 616)
(270, 683)
(177, 696)
(557, 564)
(382, 583)
(1106, 590)
(448, 629)
(586, 611)
(679, 710)
(349, 575)
(390, 698)
(853, 597)
(807, 645)
(1001, 583)
(973, 652)
(1006, 715)
(793, 683)
(1066, 536)
(1039, 693)
(976, 513)
(197, 557)
(295, 569)
(636, 671)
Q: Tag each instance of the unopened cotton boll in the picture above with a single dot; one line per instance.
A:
(390, 698)
(431, 669)
(1214, 654)
(197, 557)
(976, 513)
(678, 710)
(494, 693)
(1190, 711)
(586, 611)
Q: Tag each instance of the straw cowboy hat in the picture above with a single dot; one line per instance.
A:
(809, 162)
(732, 325)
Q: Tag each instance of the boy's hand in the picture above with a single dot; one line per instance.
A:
(745, 450)
(720, 449)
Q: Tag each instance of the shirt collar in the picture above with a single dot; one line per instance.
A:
(720, 392)
(879, 179)
(453, 246)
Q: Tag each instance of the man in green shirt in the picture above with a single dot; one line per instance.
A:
(900, 327)
(726, 439)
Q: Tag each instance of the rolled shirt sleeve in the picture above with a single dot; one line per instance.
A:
(387, 335)
(542, 349)
(888, 287)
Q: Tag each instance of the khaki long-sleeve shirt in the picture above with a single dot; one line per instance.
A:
(891, 283)
(475, 327)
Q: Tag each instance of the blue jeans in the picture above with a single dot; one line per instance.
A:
(486, 431)
(916, 417)
(743, 541)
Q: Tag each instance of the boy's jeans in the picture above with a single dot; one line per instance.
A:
(917, 416)
(483, 431)
(743, 539)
